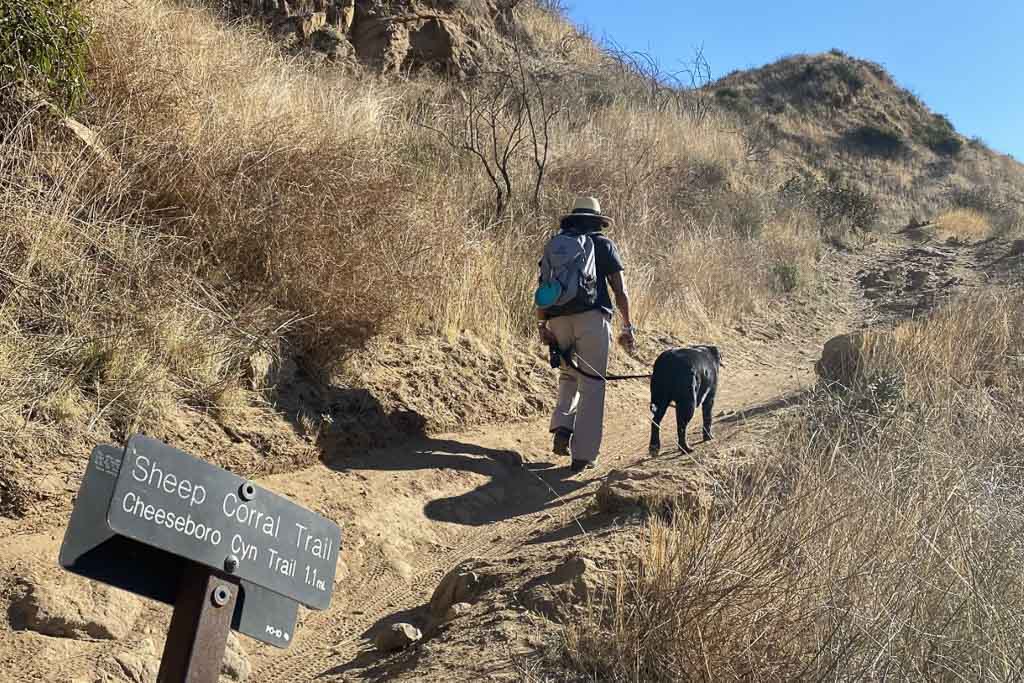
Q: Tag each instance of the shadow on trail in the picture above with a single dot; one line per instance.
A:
(385, 669)
(773, 406)
(514, 489)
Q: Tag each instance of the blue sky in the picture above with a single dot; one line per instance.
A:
(964, 59)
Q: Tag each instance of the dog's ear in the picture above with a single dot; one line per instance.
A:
(713, 350)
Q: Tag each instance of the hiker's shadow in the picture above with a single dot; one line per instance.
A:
(513, 488)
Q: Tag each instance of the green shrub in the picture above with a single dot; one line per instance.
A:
(733, 100)
(834, 201)
(876, 141)
(939, 136)
(786, 276)
(43, 44)
(848, 73)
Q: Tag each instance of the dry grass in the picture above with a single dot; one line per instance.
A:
(965, 225)
(279, 179)
(319, 192)
(246, 202)
(253, 201)
(882, 541)
(106, 329)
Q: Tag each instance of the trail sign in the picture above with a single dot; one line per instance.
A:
(225, 552)
(170, 500)
(90, 549)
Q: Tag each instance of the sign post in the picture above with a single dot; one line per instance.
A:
(227, 553)
(199, 628)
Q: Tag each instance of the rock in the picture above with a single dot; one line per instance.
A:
(916, 279)
(70, 607)
(398, 637)
(874, 279)
(581, 573)
(394, 36)
(571, 585)
(236, 665)
(928, 252)
(654, 488)
(459, 585)
(329, 43)
(457, 610)
(845, 357)
(140, 665)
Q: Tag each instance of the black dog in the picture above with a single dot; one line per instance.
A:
(690, 378)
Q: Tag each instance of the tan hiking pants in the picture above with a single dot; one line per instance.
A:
(580, 407)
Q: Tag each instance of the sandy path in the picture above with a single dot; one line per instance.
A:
(517, 504)
(413, 513)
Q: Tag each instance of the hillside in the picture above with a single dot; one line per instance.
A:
(832, 115)
(299, 239)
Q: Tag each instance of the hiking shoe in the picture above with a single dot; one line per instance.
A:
(578, 466)
(561, 444)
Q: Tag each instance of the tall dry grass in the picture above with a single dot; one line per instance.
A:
(963, 224)
(882, 541)
(280, 180)
(322, 193)
(103, 316)
(244, 200)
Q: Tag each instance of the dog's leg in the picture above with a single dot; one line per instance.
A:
(709, 411)
(657, 413)
(684, 413)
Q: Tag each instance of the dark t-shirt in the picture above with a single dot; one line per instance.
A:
(608, 262)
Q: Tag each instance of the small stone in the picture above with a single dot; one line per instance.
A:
(654, 488)
(457, 610)
(844, 358)
(458, 585)
(581, 573)
(398, 637)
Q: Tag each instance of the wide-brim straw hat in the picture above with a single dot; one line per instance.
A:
(588, 206)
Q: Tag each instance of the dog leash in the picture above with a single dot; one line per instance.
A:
(567, 356)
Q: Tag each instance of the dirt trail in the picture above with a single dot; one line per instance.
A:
(412, 513)
(496, 518)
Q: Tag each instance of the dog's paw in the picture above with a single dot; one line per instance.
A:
(653, 451)
(686, 449)
(708, 436)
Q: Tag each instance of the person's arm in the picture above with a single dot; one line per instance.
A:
(617, 281)
(546, 335)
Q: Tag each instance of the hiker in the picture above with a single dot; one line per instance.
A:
(574, 313)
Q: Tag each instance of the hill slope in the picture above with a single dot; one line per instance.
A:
(835, 115)
(307, 268)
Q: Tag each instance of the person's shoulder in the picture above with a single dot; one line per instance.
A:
(605, 244)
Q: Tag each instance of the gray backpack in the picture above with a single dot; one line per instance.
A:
(568, 275)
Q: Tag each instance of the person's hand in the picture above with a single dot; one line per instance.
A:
(546, 335)
(628, 337)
